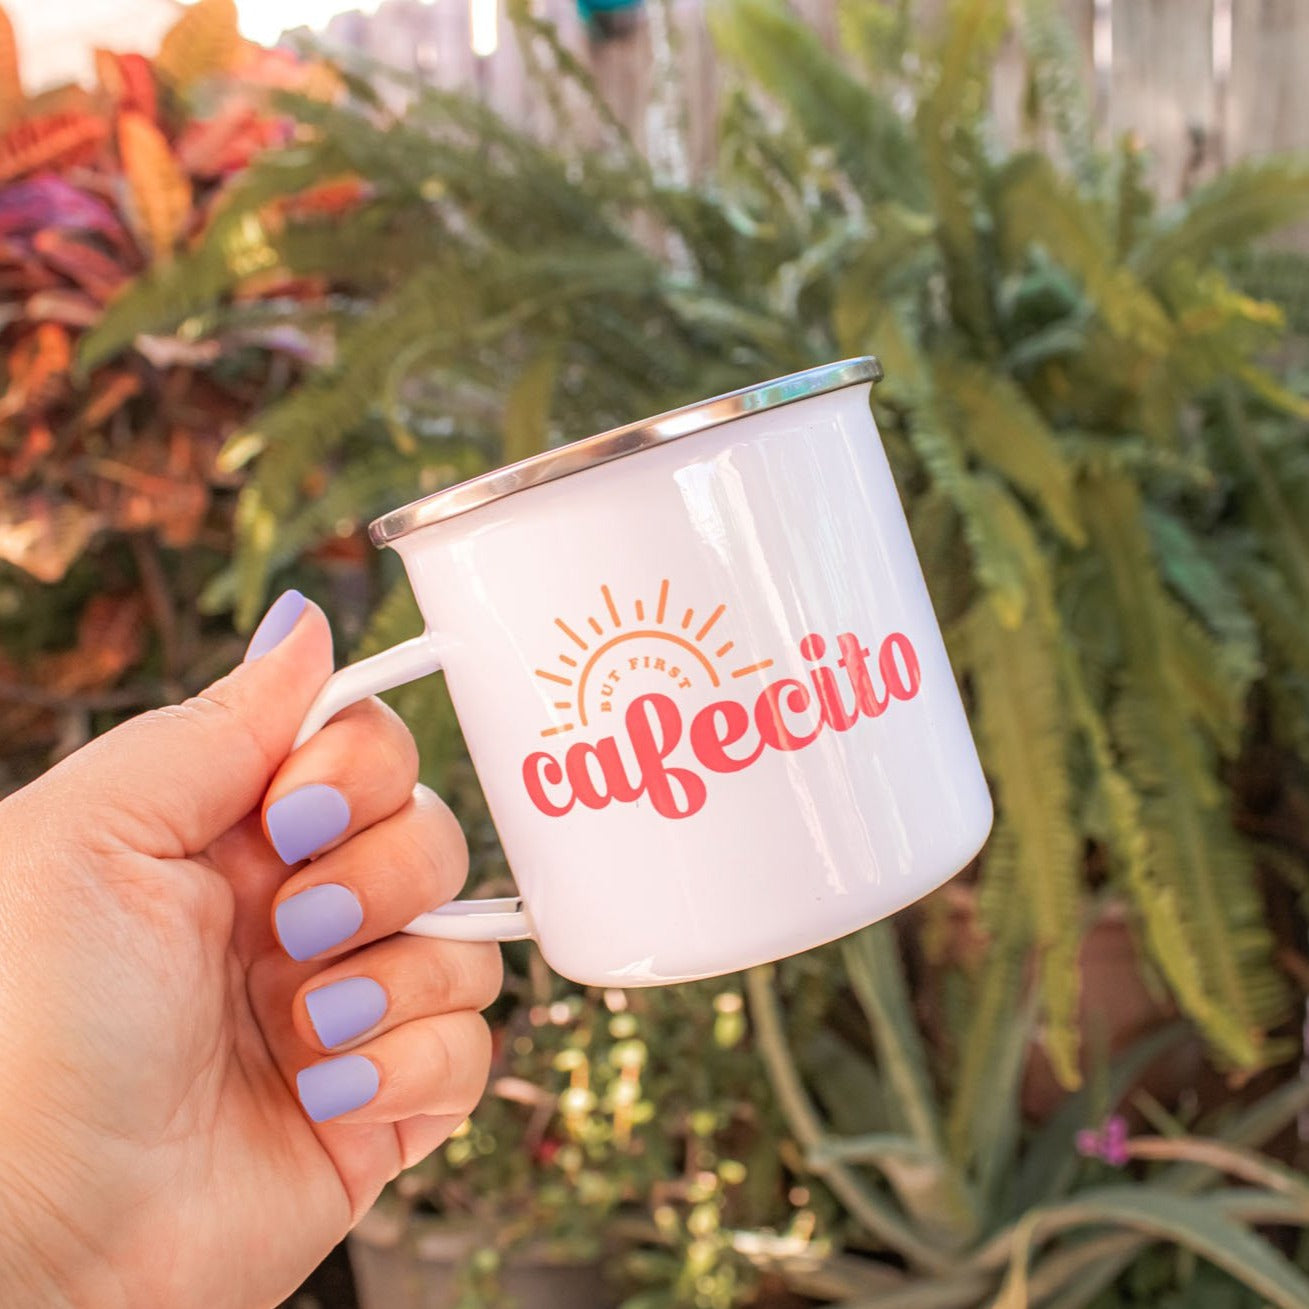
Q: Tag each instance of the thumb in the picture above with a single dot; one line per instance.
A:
(172, 780)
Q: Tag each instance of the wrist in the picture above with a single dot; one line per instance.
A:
(43, 1260)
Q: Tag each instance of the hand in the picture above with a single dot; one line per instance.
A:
(177, 1123)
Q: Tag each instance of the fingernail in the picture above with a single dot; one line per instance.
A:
(317, 919)
(336, 1086)
(276, 624)
(342, 1010)
(306, 820)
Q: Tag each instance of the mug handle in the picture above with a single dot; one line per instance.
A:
(461, 920)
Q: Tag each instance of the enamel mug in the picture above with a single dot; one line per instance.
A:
(701, 682)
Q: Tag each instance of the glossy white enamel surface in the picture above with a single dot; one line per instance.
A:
(789, 519)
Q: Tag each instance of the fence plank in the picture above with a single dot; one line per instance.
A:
(1268, 101)
(1162, 86)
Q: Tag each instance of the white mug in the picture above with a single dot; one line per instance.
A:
(701, 682)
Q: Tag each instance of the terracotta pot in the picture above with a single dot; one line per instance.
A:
(1119, 1003)
(1118, 1007)
(416, 1265)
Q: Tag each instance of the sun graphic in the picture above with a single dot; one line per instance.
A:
(597, 640)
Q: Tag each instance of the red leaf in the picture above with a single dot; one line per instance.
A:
(335, 196)
(129, 81)
(204, 146)
(93, 271)
(61, 138)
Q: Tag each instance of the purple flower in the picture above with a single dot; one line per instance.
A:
(1109, 1143)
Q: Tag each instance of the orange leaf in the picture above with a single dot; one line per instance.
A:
(202, 42)
(110, 639)
(38, 443)
(160, 191)
(63, 138)
(36, 364)
(111, 391)
(333, 196)
(11, 84)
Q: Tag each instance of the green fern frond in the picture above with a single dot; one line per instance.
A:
(1281, 276)
(1282, 616)
(975, 1124)
(1143, 461)
(999, 423)
(951, 155)
(1201, 882)
(785, 56)
(898, 235)
(1268, 501)
(527, 407)
(1191, 570)
(879, 36)
(1134, 202)
(1034, 206)
(1024, 735)
(1054, 70)
(1246, 201)
(997, 558)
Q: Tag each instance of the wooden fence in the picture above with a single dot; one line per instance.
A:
(1201, 82)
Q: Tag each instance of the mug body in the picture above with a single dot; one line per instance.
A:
(706, 695)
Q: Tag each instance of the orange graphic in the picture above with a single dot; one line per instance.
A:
(610, 632)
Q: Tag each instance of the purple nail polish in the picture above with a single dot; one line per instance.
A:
(306, 820)
(336, 1086)
(317, 919)
(343, 1010)
(277, 623)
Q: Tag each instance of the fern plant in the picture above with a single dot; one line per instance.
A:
(1106, 484)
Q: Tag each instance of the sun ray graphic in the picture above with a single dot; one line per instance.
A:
(608, 631)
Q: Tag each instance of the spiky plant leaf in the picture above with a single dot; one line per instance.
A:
(999, 423)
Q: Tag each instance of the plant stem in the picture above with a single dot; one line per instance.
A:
(864, 1204)
(1230, 1159)
(155, 585)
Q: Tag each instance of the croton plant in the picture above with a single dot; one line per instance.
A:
(112, 504)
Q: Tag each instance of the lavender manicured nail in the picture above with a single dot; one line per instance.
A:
(336, 1086)
(277, 623)
(317, 919)
(342, 1010)
(306, 820)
